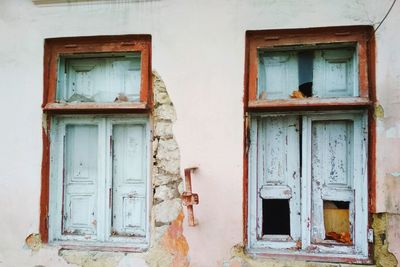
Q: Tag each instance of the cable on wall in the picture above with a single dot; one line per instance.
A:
(386, 15)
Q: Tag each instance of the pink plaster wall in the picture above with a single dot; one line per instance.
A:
(198, 49)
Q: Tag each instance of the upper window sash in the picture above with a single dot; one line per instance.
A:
(313, 39)
(98, 50)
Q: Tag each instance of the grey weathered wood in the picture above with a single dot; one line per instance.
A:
(334, 168)
(335, 73)
(276, 153)
(80, 180)
(99, 79)
(86, 156)
(278, 74)
(331, 140)
(129, 177)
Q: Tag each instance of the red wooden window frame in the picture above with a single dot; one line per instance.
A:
(363, 37)
(54, 48)
(264, 39)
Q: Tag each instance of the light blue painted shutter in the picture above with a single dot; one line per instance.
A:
(277, 75)
(129, 180)
(279, 165)
(335, 73)
(333, 162)
(80, 179)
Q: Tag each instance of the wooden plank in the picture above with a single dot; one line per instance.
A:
(310, 256)
(45, 183)
(316, 103)
(253, 202)
(95, 107)
(280, 37)
(253, 72)
(275, 192)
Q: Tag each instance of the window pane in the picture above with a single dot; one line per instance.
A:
(104, 79)
(307, 73)
(129, 176)
(80, 181)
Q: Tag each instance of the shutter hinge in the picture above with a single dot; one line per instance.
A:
(370, 235)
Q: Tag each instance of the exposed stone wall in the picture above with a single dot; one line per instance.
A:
(168, 246)
(383, 257)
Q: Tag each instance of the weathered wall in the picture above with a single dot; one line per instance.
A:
(168, 246)
(198, 48)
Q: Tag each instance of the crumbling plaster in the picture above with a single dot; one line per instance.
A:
(383, 256)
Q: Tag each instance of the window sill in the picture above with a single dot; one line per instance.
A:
(106, 247)
(95, 107)
(309, 256)
(310, 103)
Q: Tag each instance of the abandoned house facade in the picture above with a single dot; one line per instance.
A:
(200, 133)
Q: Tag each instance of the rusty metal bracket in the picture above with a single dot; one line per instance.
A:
(188, 197)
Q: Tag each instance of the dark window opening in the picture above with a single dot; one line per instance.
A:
(276, 217)
(306, 59)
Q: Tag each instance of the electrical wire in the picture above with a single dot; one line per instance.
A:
(387, 14)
